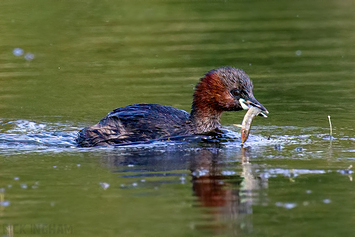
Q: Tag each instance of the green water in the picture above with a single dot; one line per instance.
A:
(85, 58)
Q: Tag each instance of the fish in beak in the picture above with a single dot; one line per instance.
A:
(254, 108)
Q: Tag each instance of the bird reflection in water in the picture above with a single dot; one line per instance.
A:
(228, 195)
(224, 182)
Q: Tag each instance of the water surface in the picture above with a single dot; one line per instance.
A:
(65, 65)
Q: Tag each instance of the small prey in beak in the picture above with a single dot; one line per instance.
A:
(246, 124)
(254, 108)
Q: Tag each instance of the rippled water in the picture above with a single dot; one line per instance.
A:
(65, 65)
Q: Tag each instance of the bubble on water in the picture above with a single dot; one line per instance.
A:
(54, 166)
(130, 165)
(308, 191)
(5, 203)
(52, 204)
(134, 184)
(298, 52)
(287, 205)
(16, 178)
(9, 185)
(104, 185)
(17, 51)
(24, 186)
(290, 205)
(142, 180)
(299, 149)
(122, 185)
(29, 56)
(78, 165)
(327, 201)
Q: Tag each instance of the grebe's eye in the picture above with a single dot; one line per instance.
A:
(235, 93)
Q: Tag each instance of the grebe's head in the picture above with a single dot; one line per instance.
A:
(224, 89)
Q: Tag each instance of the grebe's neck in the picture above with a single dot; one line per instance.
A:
(204, 122)
(206, 111)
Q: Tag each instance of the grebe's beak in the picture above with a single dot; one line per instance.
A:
(247, 103)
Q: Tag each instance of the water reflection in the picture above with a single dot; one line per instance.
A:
(226, 184)
(229, 195)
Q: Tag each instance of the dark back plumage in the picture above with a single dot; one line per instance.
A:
(138, 122)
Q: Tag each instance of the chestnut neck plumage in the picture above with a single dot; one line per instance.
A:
(206, 110)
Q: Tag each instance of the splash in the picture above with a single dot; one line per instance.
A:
(22, 136)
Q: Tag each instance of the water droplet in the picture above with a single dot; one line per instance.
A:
(327, 201)
(104, 185)
(290, 205)
(16, 178)
(298, 149)
(134, 184)
(54, 166)
(78, 165)
(5, 203)
(24, 186)
(17, 51)
(298, 52)
(308, 191)
(29, 56)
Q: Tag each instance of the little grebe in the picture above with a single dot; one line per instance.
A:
(221, 89)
